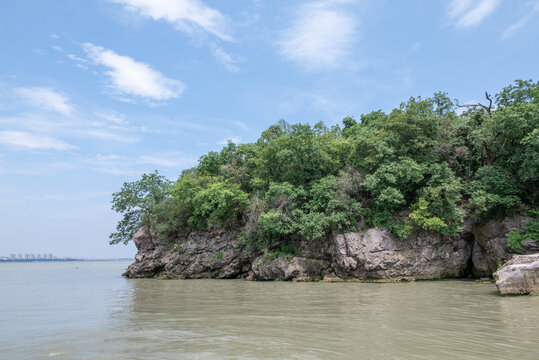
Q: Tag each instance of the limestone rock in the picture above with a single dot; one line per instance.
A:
(373, 254)
(490, 248)
(196, 254)
(143, 239)
(285, 268)
(519, 276)
(377, 254)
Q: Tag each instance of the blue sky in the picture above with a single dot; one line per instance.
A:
(94, 93)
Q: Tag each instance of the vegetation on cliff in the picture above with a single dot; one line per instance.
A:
(423, 165)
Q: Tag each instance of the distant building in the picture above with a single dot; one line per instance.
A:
(12, 256)
(20, 256)
(27, 257)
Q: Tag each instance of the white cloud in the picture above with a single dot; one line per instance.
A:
(321, 35)
(112, 116)
(21, 139)
(131, 79)
(228, 61)
(189, 16)
(514, 28)
(469, 13)
(76, 58)
(46, 98)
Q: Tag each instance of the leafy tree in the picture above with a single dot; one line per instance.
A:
(136, 201)
(493, 193)
(437, 208)
(220, 204)
(394, 184)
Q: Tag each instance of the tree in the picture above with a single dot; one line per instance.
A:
(136, 201)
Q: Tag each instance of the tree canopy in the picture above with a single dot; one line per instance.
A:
(428, 164)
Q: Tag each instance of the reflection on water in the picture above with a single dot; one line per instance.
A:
(103, 316)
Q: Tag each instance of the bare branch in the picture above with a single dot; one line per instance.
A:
(485, 107)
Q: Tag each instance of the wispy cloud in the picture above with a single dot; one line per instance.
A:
(468, 13)
(514, 28)
(26, 140)
(320, 36)
(131, 79)
(167, 160)
(46, 98)
(108, 136)
(189, 16)
(134, 165)
(112, 116)
(229, 62)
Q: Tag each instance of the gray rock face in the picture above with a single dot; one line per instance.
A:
(284, 268)
(377, 254)
(490, 248)
(374, 254)
(143, 239)
(199, 254)
(519, 276)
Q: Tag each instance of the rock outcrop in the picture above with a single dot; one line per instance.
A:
(519, 276)
(373, 254)
(287, 268)
(377, 254)
(490, 247)
(198, 254)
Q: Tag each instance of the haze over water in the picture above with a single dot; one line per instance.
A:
(86, 310)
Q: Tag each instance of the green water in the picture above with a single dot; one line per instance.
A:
(87, 310)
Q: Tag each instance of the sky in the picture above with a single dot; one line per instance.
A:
(95, 93)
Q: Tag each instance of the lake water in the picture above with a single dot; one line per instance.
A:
(86, 310)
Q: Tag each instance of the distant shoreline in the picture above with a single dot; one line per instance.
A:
(59, 260)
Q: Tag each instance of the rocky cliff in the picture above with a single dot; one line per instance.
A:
(373, 254)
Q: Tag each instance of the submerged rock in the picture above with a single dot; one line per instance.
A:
(519, 276)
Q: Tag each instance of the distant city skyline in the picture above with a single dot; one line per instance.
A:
(20, 256)
(43, 257)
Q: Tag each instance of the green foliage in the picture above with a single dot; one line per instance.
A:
(221, 203)
(136, 201)
(423, 216)
(522, 92)
(421, 165)
(530, 232)
(493, 194)
(437, 208)
(298, 153)
(393, 184)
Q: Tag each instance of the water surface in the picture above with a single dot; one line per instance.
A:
(86, 310)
